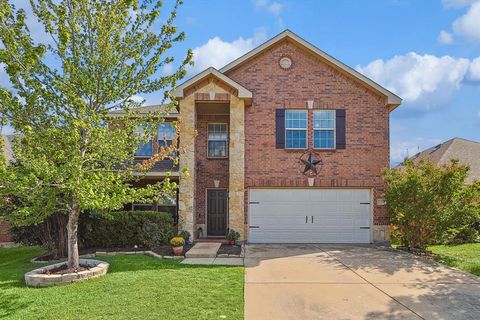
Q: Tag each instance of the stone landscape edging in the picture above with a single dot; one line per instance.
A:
(38, 278)
(114, 253)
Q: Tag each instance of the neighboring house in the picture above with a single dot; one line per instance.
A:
(246, 127)
(8, 153)
(465, 151)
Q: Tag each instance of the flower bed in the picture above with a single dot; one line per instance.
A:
(48, 276)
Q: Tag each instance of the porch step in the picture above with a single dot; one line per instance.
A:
(203, 250)
(213, 240)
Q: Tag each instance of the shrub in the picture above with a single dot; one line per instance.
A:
(184, 234)
(126, 229)
(431, 204)
(153, 235)
(233, 235)
(50, 234)
(177, 241)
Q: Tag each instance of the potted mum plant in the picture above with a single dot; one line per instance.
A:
(232, 237)
(177, 244)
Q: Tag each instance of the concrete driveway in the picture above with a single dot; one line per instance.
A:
(353, 282)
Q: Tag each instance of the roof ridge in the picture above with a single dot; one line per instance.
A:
(392, 99)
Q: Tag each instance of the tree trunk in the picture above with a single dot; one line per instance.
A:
(72, 235)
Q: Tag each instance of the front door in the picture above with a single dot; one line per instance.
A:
(217, 212)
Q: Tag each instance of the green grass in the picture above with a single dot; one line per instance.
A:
(136, 287)
(463, 256)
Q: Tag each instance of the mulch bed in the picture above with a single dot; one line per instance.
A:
(63, 269)
(416, 251)
(226, 249)
(166, 250)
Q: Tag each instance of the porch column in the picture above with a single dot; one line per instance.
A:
(186, 219)
(237, 166)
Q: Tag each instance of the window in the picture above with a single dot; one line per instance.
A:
(166, 203)
(324, 129)
(217, 140)
(166, 133)
(145, 150)
(142, 207)
(296, 129)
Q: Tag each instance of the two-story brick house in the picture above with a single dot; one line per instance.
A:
(284, 144)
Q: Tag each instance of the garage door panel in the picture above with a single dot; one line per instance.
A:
(339, 215)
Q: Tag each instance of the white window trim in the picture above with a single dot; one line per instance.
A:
(296, 129)
(326, 129)
(226, 141)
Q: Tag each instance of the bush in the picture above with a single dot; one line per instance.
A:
(233, 235)
(126, 229)
(431, 204)
(153, 235)
(50, 234)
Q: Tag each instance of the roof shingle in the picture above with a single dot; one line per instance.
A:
(466, 151)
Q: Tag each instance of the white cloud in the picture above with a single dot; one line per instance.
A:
(217, 53)
(405, 149)
(445, 37)
(167, 69)
(275, 8)
(458, 3)
(474, 70)
(423, 81)
(136, 99)
(468, 25)
(478, 114)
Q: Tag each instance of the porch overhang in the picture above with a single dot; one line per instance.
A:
(240, 91)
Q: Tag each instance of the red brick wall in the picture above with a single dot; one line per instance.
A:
(207, 169)
(367, 119)
(4, 235)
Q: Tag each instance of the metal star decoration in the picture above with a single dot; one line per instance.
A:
(310, 163)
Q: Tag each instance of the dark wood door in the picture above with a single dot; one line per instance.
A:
(217, 212)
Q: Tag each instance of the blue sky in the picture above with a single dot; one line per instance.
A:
(428, 52)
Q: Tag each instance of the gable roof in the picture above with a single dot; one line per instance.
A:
(145, 110)
(392, 99)
(466, 151)
(242, 91)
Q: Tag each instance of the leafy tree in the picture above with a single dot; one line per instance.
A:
(99, 54)
(429, 203)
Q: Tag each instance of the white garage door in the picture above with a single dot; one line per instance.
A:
(309, 216)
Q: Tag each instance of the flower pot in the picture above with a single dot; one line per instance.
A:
(178, 251)
(231, 242)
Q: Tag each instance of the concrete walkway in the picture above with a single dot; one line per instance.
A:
(353, 282)
(203, 250)
(215, 261)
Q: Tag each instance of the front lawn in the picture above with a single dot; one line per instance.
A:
(136, 287)
(462, 256)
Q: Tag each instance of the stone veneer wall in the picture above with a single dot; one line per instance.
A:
(192, 187)
(237, 166)
(186, 188)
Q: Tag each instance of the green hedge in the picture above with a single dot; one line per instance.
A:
(124, 229)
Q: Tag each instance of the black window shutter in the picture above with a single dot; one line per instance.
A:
(280, 128)
(340, 127)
